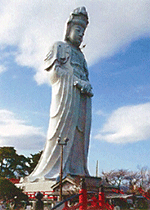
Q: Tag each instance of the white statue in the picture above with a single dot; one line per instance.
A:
(70, 111)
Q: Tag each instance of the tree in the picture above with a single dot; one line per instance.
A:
(9, 191)
(129, 179)
(33, 160)
(115, 177)
(22, 166)
(7, 161)
(12, 165)
(144, 180)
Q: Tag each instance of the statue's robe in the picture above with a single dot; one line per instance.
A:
(70, 114)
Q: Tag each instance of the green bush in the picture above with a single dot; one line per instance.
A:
(9, 191)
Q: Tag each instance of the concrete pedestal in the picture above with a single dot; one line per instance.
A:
(39, 186)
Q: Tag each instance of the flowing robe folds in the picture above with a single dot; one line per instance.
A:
(70, 114)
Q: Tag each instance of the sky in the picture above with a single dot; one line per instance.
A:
(118, 55)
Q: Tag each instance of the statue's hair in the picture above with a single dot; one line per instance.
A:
(69, 25)
(78, 17)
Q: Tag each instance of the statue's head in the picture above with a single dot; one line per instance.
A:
(76, 26)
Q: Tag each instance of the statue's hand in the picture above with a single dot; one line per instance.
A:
(78, 84)
(87, 89)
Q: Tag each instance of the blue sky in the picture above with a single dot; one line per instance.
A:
(118, 55)
(122, 83)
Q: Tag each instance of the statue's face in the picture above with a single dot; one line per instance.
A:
(76, 35)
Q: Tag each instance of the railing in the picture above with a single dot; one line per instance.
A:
(143, 193)
(65, 201)
(84, 204)
(46, 194)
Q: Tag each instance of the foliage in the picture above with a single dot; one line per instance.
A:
(34, 160)
(134, 183)
(132, 180)
(115, 177)
(13, 165)
(7, 157)
(9, 191)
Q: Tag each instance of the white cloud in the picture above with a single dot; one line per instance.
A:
(101, 113)
(127, 124)
(33, 26)
(2, 69)
(17, 133)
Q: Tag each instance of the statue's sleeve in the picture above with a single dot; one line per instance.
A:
(86, 70)
(59, 54)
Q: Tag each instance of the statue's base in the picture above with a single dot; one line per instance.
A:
(38, 186)
(70, 185)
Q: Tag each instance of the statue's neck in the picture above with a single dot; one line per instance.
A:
(73, 46)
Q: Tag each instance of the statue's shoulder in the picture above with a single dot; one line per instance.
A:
(60, 44)
(60, 51)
